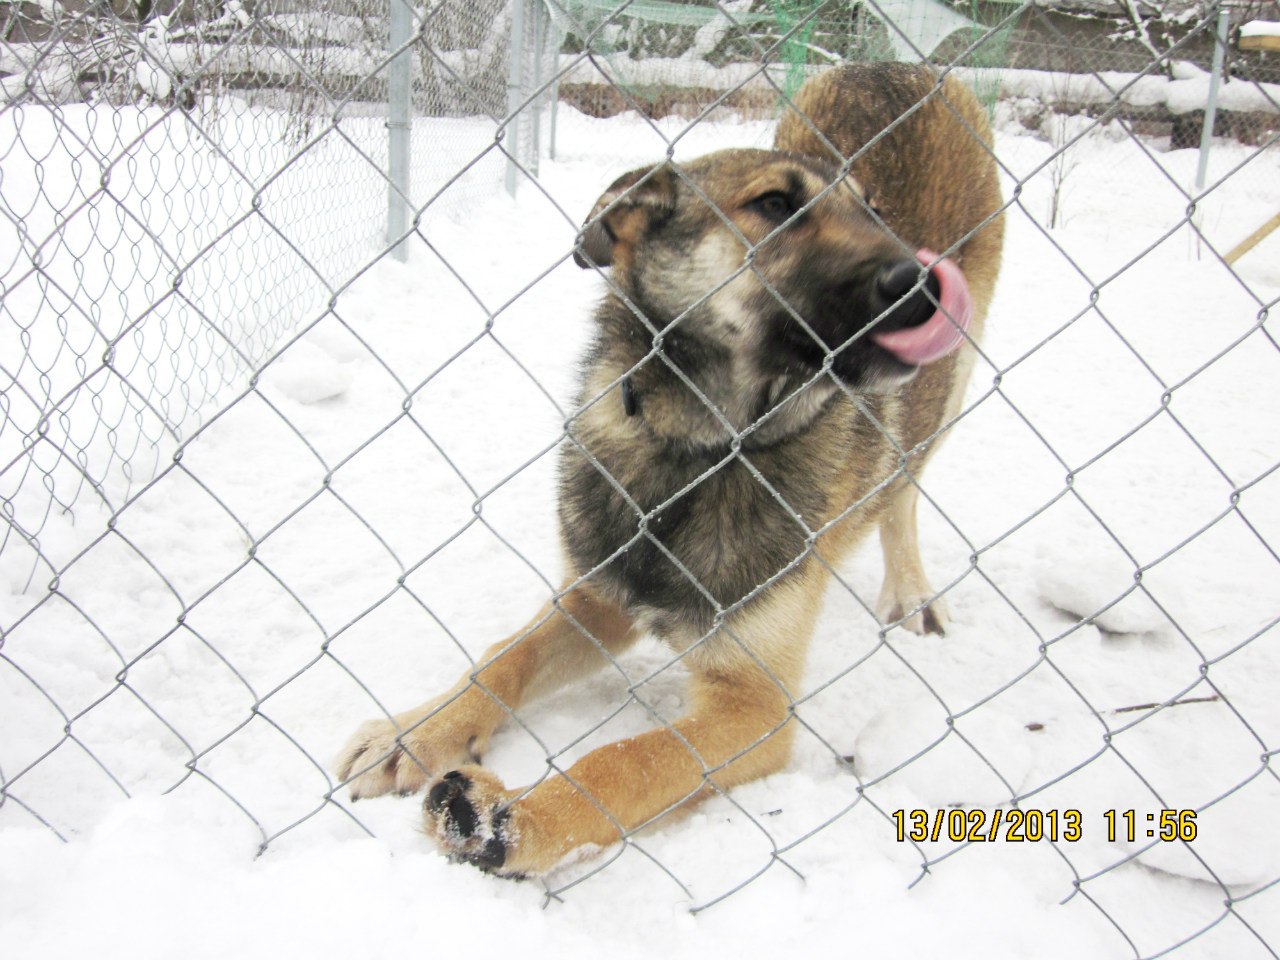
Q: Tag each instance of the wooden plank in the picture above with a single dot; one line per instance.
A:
(1262, 42)
(1252, 240)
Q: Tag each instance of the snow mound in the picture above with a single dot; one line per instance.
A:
(1101, 589)
(307, 374)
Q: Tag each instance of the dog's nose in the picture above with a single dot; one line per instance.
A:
(907, 307)
(895, 281)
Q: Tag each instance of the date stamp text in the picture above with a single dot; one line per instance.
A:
(1018, 825)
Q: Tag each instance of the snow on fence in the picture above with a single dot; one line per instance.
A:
(260, 481)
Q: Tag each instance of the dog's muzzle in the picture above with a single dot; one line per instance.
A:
(927, 323)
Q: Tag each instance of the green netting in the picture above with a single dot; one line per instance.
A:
(803, 33)
(988, 39)
(796, 22)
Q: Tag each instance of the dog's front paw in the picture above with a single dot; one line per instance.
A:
(468, 813)
(380, 758)
(401, 755)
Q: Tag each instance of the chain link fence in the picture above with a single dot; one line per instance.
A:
(261, 482)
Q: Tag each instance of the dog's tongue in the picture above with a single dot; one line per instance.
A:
(944, 331)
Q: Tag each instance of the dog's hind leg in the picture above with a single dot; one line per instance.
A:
(906, 591)
(565, 641)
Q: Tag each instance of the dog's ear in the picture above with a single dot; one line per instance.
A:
(633, 203)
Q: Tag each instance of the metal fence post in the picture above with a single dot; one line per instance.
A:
(515, 81)
(539, 39)
(553, 38)
(551, 123)
(1211, 110)
(398, 125)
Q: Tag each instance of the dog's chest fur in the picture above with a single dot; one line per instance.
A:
(700, 528)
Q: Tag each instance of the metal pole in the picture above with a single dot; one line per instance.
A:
(539, 36)
(555, 100)
(398, 127)
(555, 31)
(1210, 115)
(1211, 108)
(515, 81)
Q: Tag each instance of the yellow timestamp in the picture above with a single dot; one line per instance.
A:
(1031, 826)
(1167, 825)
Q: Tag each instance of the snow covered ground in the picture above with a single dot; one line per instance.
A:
(379, 506)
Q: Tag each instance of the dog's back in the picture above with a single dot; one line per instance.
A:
(930, 163)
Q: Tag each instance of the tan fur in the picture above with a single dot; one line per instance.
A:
(950, 203)
(694, 244)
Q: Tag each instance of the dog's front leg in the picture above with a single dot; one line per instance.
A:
(737, 731)
(562, 643)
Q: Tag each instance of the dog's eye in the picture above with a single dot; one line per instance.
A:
(774, 205)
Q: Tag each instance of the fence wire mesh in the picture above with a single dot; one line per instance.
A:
(260, 483)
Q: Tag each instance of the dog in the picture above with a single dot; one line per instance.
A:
(784, 340)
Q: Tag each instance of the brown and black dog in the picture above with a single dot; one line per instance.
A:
(782, 344)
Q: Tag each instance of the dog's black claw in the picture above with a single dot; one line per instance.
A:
(493, 854)
(449, 795)
(452, 785)
(462, 817)
(932, 624)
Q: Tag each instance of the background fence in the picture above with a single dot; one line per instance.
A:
(260, 482)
